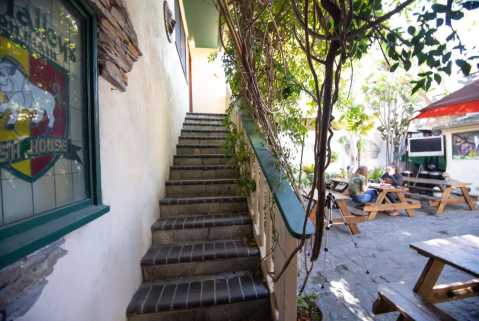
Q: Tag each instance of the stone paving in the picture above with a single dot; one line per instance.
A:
(349, 292)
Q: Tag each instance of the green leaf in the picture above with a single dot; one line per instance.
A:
(456, 15)
(464, 65)
(377, 5)
(421, 58)
(407, 65)
(446, 57)
(429, 16)
(439, 22)
(394, 67)
(419, 85)
(437, 78)
(451, 36)
(391, 37)
(439, 8)
(411, 30)
(430, 41)
(470, 5)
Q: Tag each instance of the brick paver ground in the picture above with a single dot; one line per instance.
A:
(384, 243)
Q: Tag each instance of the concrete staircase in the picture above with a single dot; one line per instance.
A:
(203, 263)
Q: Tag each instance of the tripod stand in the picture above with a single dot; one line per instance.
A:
(330, 200)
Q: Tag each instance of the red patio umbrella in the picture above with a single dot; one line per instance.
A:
(463, 101)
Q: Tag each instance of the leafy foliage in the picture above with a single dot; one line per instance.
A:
(307, 306)
(376, 173)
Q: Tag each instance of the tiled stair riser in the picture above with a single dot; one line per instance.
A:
(202, 173)
(200, 190)
(201, 150)
(198, 160)
(202, 127)
(213, 121)
(183, 270)
(203, 209)
(202, 234)
(218, 132)
(202, 140)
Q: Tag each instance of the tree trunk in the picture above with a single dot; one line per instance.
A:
(322, 142)
(359, 152)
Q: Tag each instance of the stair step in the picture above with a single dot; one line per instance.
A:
(201, 200)
(178, 261)
(202, 172)
(201, 187)
(202, 140)
(217, 132)
(218, 115)
(200, 149)
(204, 120)
(202, 205)
(202, 159)
(178, 230)
(202, 126)
(233, 298)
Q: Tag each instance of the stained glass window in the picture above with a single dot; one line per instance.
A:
(43, 132)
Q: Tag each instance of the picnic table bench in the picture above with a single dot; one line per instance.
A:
(445, 187)
(378, 206)
(461, 252)
(352, 215)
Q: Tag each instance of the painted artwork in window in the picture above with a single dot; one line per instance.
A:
(42, 108)
(465, 145)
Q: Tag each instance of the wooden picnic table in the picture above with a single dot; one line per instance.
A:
(351, 215)
(461, 252)
(447, 194)
(340, 181)
(376, 206)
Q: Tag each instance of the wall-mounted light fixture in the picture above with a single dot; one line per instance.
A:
(191, 42)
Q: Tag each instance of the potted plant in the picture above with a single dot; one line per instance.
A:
(307, 307)
(377, 173)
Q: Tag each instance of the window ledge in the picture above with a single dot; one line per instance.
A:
(20, 245)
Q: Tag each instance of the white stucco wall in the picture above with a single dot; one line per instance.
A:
(139, 129)
(463, 170)
(209, 89)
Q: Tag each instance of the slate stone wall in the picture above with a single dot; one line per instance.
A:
(22, 282)
(117, 41)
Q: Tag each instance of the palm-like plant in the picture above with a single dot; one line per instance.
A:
(359, 124)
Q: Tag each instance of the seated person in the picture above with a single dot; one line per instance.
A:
(358, 187)
(393, 176)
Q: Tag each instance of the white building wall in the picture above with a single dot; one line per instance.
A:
(139, 130)
(209, 89)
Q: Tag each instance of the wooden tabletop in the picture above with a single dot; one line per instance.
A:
(434, 181)
(389, 189)
(461, 252)
(341, 180)
(338, 196)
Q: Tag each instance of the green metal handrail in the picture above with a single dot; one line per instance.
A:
(289, 206)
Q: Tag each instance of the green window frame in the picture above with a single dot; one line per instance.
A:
(20, 239)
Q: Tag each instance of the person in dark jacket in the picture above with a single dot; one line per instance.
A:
(393, 176)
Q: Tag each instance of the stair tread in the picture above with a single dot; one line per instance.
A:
(203, 124)
(154, 298)
(210, 130)
(203, 137)
(204, 118)
(198, 221)
(199, 145)
(198, 252)
(181, 182)
(206, 114)
(181, 200)
(203, 156)
(197, 167)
